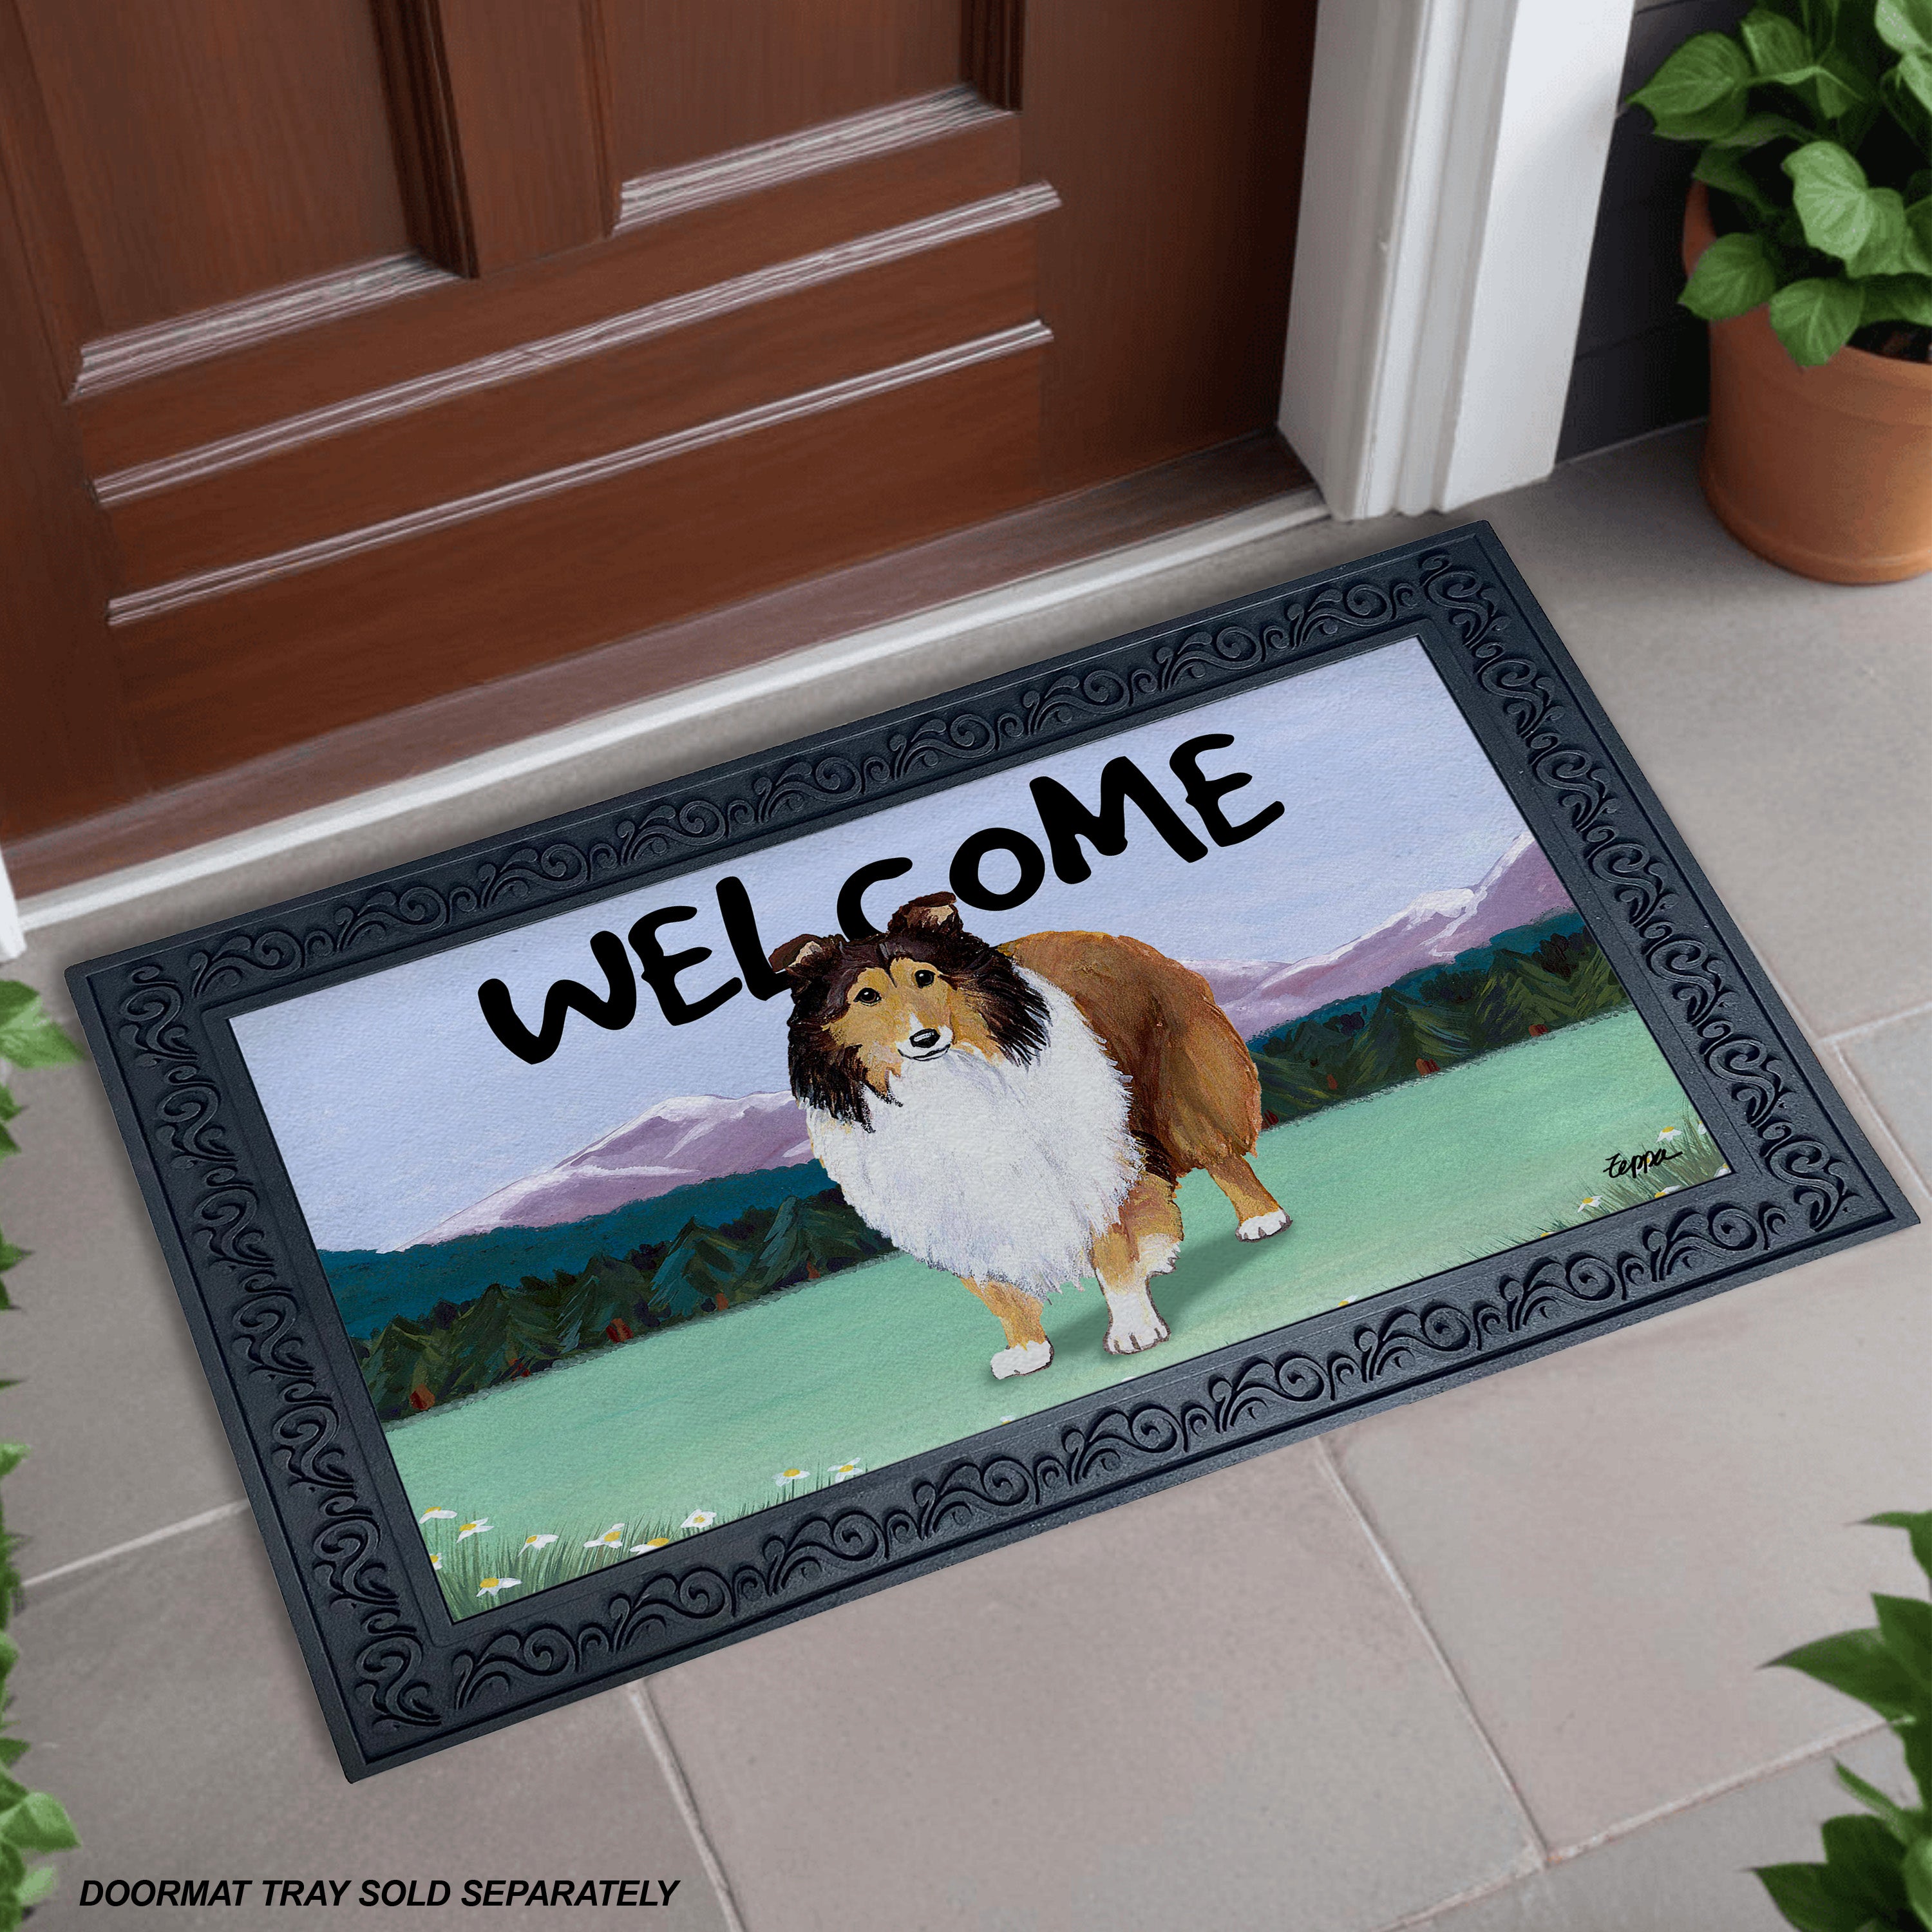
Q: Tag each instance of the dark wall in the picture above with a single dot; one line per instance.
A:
(1640, 359)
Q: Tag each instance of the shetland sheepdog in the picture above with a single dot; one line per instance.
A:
(1018, 1115)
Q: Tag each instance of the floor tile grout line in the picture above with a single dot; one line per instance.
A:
(1775, 1767)
(662, 1750)
(1473, 1895)
(1538, 1846)
(164, 1534)
(1758, 1774)
(1887, 1133)
(1865, 1027)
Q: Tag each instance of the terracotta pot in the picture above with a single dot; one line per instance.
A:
(1826, 471)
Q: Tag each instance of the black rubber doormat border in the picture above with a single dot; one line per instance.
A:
(609, 1241)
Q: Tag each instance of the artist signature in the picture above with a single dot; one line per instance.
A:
(1619, 1165)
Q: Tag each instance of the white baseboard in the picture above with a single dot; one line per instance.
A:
(927, 634)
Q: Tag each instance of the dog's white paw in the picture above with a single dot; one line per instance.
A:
(1258, 1227)
(1022, 1360)
(1135, 1323)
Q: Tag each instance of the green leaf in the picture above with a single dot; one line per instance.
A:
(1755, 130)
(1910, 83)
(1733, 275)
(1896, 298)
(9, 1106)
(1699, 91)
(12, 1455)
(1903, 1824)
(27, 1037)
(1773, 43)
(38, 1823)
(1863, 1859)
(1884, 251)
(1917, 1739)
(11, 1255)
(12, 1749)
(1856, 1662)
(37, 1883)
(1720, 167)
(1829, 193)
(1905, 1624)
(1917, 1524)
(1814, 320)
(1905, 26)
(1805, 1895)
(1917, 1873)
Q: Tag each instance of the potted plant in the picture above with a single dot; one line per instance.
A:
(1808, 244)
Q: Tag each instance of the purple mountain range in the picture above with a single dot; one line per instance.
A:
(698, 1137)
(1520, 889)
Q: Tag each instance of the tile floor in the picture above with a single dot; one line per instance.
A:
(1487, 1663)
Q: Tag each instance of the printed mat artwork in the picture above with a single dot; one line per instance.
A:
(626, 1235)
(1166, 1042)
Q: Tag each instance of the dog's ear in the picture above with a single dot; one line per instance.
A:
(803, 956)
(937, 912)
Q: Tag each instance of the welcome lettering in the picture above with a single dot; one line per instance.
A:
(1068, 826)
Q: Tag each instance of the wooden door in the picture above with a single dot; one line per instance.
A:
(356, 351)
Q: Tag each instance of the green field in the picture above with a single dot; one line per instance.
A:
(889, 1358)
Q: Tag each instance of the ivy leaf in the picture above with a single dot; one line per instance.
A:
(1720, 167)
(1774, 43)
(1862, 1857)
(1806, 1896)
(37, 1884)
(1908, 92)
(1917, 1525)
(1831, 198)
(1733, 275)
(1814, 320)
(27, 1037)
(1903, 1824)
(1905, 26)
(9, 1256)
(38, 1823)
(1856, 1662)
(1896, 298)
(12, 1749)
(1756, 129)
(1699, 92)
(1884, 252)
(1905, 1624)
(1917, 1873)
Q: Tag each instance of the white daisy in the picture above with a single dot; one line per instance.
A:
(435, 1561)
(430, 1515)
(542, 1541)
(840, 1471)
(699, 1519)
(784, 1476)
(1669, 1133)
(613, 1538)
(491, 1585)
(650, 1542)
(1591, 1200)
(476, 1528)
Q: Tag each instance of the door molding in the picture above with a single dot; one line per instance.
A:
(1457, 150)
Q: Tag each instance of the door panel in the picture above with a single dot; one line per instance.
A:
(209, 149)
(388, 347)
(691, 78)
(213, 683)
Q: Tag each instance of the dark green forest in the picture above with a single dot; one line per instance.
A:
(415, 1362)
(1527, 982)
(1494, 996)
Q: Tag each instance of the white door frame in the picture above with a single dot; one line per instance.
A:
(1455, 153)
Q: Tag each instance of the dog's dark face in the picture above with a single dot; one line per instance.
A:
(863, 1010)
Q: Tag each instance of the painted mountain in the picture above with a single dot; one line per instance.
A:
(694, 1138)
(1520, 890)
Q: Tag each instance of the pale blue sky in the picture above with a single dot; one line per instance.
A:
(394, 1105)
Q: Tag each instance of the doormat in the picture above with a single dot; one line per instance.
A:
(611, 1240)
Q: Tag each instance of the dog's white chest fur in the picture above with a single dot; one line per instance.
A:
(994, 1169)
